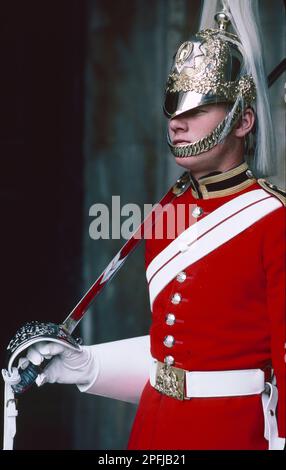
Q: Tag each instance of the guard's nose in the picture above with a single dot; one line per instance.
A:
(178, 124)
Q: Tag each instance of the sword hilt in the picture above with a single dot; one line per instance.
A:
(29, 334)
(29, 376)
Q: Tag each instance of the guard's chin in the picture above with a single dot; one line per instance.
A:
(186, 162)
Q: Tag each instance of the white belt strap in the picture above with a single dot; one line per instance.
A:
(203, 384)
(206, 236)
(227, 383)
(204, 225)
(10, 410)
(219, 383)
(269, 402)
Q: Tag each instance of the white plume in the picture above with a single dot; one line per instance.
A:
(245, 21)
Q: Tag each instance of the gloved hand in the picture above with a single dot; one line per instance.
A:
(68, 366)
(118, 369)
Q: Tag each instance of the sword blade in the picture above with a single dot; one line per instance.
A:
(75, 316)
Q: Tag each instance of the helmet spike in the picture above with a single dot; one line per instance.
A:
(222, 20)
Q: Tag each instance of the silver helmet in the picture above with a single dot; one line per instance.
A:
(208, 69)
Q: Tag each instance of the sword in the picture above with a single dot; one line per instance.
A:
(35, 331)
(116, 263)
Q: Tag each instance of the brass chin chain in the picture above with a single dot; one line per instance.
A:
(205, 144)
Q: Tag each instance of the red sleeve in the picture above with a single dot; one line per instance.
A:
(275, 264)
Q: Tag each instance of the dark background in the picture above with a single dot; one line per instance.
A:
(42, 58)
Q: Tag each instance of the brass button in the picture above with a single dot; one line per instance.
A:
(169, 341)
(249, 174)
(197, 212)
(169, 360)
(176, 298)
(170, 319)
(181, 277)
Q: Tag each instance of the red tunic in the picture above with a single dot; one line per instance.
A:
(231, 316)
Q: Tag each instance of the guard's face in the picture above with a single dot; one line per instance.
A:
(196, 124)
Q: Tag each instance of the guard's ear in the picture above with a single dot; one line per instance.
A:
(245, 124)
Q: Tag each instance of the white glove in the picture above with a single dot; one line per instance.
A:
(67, 366)
(118, 369)
(123, 368)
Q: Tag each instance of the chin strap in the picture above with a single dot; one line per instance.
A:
(10, 410)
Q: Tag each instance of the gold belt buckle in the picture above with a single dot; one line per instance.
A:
(170, 381)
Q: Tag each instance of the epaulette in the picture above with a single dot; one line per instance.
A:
(181, 184)
(273, 189)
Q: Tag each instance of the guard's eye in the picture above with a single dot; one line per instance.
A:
(195, 112)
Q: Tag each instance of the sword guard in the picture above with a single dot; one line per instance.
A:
(29, 334)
